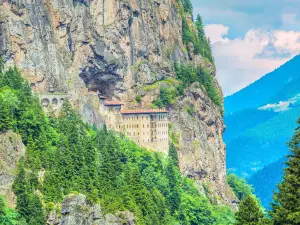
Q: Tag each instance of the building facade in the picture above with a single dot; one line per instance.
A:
(148, 128)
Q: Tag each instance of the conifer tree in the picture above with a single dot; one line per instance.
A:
(286, 209)
(188, 6)
(173, 197)
(199, 27)
(173, 154)
(1, 63)
(250, 212)
(29, 205)
(2, 206)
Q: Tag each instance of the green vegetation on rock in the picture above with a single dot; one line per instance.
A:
(194, 33)
(186, 75)
(189, 74)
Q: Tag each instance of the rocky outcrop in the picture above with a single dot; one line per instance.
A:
(76, 210)
(122, 48)
(11, 150)
(197, 130)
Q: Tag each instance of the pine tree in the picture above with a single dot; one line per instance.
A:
(29, 205)
(249, 212)
(286, 209)
(173, 197)
(199, 27)
(173, 154)
(1, 63)
(188, 6)
(2, 206)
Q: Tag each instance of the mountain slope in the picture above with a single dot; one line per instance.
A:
(267, 89)
(260, 120)
(268, 177)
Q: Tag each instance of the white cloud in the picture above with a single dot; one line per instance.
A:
(241, 61)
(217, 32)
(281, 106)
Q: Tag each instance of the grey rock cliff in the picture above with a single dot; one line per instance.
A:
(119, 47)
(76, 210)
(11, 150)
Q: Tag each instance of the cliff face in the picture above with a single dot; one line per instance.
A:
(122, 48)
(11, 150)
(76, 210)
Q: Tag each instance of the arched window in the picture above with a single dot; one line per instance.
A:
(54, 101)
(45, 102)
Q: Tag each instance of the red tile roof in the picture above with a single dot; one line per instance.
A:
(142, 111)
(113, 103)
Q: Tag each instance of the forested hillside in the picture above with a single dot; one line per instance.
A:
(269, 176)
(65, 155)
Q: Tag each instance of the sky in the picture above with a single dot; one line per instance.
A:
(250, 38)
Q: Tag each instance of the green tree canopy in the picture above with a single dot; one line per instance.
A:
(250, 212)
(7, 215)
(239, 186)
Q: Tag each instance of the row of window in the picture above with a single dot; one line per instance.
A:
(160, 125)
(152, 140)
(135, 117)
(128, 126)
(144, 133)
(155, 117)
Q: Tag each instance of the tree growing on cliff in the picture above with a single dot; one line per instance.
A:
(199, 27)
(188, 6)
(286, 208)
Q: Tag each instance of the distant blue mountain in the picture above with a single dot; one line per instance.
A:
(265, 181)
(260, 120)
(278, 85)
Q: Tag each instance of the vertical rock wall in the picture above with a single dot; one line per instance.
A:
(122, 48)
(11, 151)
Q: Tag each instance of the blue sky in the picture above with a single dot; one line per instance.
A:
(250, 38)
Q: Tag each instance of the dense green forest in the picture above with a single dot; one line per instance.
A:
(79, 158)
